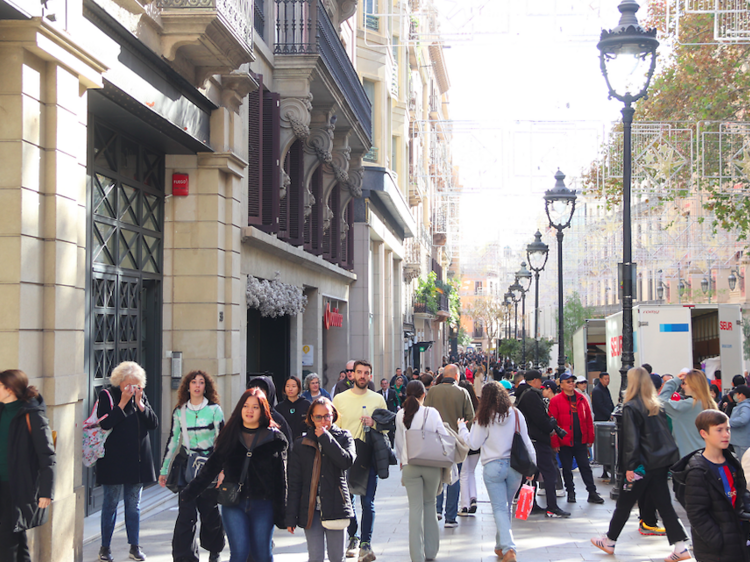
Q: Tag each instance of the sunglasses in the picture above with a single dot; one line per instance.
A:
(350, 370)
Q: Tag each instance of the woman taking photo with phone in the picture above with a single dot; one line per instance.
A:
(682, 413)
(127, 463)
(196, 422)
(251, 451)
(318, 499)
(27, 464)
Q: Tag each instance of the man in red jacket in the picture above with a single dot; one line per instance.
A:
(573, 414)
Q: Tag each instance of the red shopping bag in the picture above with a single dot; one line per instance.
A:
(525, 501)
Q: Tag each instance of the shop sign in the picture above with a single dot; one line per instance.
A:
(332, 318)
(308, 355)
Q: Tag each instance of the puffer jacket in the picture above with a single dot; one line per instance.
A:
(646, 439)
(266, 474)
(317, 467)
(31, 470)
(718, 534)
(531, 404)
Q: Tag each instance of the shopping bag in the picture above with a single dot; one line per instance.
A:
(525, 502)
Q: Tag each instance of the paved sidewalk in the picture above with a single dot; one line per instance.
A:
(539, 539)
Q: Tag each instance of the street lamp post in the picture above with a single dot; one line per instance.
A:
(706, 283)
(523, 278)
(537, 253)
(627, 59)
(515, 290)
(732, 279)
(560, 204)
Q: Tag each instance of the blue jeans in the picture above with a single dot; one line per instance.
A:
(368, 510)
(502, 482)
(451, 503)
(249, 528)
(132, 498)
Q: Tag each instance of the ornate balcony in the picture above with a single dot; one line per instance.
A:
(214, 36)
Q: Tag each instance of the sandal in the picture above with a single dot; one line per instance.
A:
(602, 544)
(677, 556)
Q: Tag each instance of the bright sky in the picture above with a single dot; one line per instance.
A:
(526, 97)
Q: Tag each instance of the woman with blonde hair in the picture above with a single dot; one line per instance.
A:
(127, 463)
(683, 412)
(648, 450)
(196, 422)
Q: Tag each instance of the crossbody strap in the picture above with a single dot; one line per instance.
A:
(518, 422)
(185, 436)
(246, 464)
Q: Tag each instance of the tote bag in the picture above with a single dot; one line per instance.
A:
(520, 459)
(429, 448)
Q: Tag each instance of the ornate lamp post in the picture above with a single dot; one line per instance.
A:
(560, 204)
(537, 253)
(523, 278)
(516, 291)
(507, 301)
(627, 59)
(733, 275)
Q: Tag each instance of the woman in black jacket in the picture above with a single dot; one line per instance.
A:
(127, 463)
(318, 499)
(648, 450)
(27, 464)
(249, 435)
(294, 408)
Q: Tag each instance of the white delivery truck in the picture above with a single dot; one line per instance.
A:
(590, 349)
(677, 336)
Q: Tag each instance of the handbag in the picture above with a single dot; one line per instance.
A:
(195, 461)
(229, 492)
(520, 459)
(176, 474)
(429, 448)
(94, 436)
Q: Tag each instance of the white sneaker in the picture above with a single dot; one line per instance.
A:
(352, 547)
(541, 491)
(560, 493)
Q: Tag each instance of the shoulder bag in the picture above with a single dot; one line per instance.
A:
(195, 461)
(520, 459)
(94, 436)
(229, 492)
(429, 448)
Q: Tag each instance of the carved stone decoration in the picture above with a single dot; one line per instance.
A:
(354, 184)
(236, 86)
(411, 272)
(327, 217)
(309, 202)
(295, 115)
(286, 182)
(320, 143)
(347, 8)
(344, 227)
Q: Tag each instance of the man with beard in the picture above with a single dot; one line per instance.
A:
(355, 407)
(348, 382)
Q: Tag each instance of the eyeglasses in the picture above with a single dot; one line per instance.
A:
(323, 417)
(350, 370)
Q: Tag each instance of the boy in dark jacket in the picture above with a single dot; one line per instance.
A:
(715, 489)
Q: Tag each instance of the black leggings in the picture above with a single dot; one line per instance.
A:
(655, 486)
(13, 546)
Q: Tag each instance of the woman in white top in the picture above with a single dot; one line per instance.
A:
(422, 483)
(492, 432)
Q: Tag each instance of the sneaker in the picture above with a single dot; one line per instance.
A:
(515, 500)
(541, 491)
(536, 509)
(560, 493)
(556, 513)
(105, 554)
(463, 512)
(451, 524)
(136, 553)
(677, 556)
(365, 552)
(440, 516)
(473, 505)
(595, 498)
(352, 547)
(571, 497)
(649, 531)
(603, 543)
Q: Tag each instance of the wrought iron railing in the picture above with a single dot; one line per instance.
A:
(304, 27)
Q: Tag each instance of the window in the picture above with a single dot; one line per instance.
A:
(370, 14)
(369, 87)
(394, 154)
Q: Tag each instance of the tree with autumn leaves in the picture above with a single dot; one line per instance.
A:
(700, 81)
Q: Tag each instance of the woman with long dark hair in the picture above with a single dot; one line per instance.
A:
(318, 499)
(468, 500)
(294, 407)
(27, 464)
(492, 431)
(648, 450)
(250, 433)
(196, 422)
(422, 483)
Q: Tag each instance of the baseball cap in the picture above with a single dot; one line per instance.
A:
(506, 384)
(566, 376)
(551, 385)
(582, 379)
(656, 379)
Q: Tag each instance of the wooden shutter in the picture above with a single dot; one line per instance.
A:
(332, 236)
(347, 245)
(314, 223)
(296, 195)
(255, 156)
(271, 170)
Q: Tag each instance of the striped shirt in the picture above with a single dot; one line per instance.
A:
(203, 427)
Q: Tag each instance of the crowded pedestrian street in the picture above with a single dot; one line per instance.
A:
(539, 539)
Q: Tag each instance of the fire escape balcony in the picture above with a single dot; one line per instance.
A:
(215, 36)
(307, 40)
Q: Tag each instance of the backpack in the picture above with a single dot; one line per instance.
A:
(94, 436)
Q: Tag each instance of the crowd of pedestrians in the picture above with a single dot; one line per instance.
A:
(299, 462)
